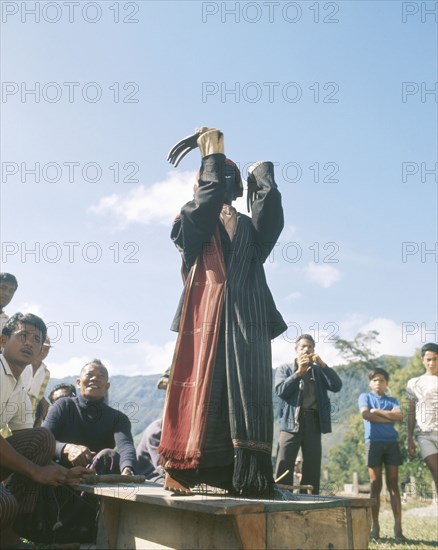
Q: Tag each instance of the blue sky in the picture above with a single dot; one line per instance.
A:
(339, 95)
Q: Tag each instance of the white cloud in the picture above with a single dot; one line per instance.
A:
(288, 233)
(157, 203)
(240, 205)
(71, 367)
(394, 338)
(143, 358)
(293, 296)
(152, 358)
(26, 307)
(323, 275)
(282, 351)
(349, 327)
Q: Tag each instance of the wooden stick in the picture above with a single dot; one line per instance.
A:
(282, 476)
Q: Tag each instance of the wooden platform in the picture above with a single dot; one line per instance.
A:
(147, 516)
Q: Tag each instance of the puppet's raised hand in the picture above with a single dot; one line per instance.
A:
(209, 141)
(252, 185)
(180, 150)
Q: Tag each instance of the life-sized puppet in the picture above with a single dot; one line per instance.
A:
(218, 420)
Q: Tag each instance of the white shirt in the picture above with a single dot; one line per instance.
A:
(35, 384)
(424, 391)
(15, 405)
(3, 320)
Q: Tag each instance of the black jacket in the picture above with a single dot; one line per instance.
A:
(287, 387)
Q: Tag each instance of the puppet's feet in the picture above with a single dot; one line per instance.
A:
(171, 484)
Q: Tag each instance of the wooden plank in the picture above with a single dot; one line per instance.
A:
(145, 526)
(109, 520)
(308, 529)
(212, 503)
(361, 526)
(305, 502)
(216, 504)
(359, 502)
(145, 517)
(251, 531)
(349, 528)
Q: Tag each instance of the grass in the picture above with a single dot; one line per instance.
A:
(420, 527)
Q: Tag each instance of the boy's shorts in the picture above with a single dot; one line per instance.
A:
(383, 452)
(428, 443)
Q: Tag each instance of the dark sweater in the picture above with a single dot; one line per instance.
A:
(93, 424)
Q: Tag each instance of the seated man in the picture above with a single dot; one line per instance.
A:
(25, 456)
(148, 458)
(42, 408)
(86, 429)
(35, 378)
(62, 390)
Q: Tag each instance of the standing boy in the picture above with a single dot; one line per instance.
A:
(379, 412)
(422, 394)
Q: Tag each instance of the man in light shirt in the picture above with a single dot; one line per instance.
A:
(25, 456)
(422, 395)
(35, 378)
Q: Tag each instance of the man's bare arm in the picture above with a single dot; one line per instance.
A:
(52, 474)
(412, 450)
(395, 415)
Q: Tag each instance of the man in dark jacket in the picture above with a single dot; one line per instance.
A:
(305, 412)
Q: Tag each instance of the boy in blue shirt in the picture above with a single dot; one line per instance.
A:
(379, 412)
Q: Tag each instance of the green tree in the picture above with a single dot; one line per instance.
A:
(360, 350)
(348, 457)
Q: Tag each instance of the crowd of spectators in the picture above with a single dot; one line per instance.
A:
(48, 443)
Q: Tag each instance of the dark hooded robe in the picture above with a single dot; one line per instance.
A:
(218, 421)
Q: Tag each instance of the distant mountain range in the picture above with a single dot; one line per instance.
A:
(139, 398)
